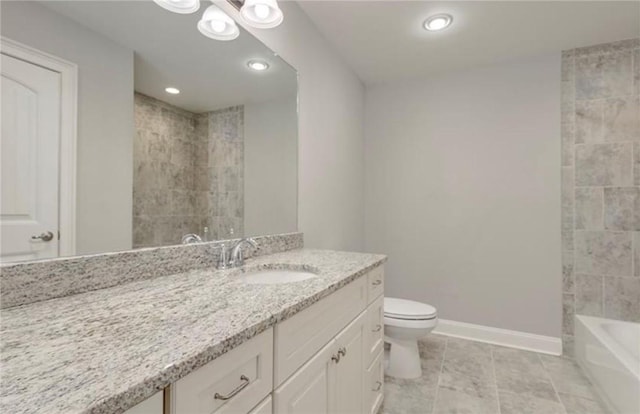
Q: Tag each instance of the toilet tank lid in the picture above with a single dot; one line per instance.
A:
(407, 309)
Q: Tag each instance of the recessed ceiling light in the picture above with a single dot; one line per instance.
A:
(179, 6)
(438, 22)
(258, 65)
(172, 91)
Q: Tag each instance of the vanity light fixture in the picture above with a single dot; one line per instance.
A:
(261, 14)
(438, 22)
(179, 6)
(216, 24)
(172, 90)
(258, 65)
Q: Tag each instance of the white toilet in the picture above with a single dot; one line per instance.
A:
(406, 321)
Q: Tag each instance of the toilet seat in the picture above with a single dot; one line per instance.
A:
(408, 310)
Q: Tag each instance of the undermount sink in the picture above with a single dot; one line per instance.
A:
(275, 276)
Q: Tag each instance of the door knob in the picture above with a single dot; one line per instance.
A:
(48, 236)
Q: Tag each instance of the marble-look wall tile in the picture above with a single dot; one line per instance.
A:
(603, 253)
(588, 208)
(621, 118)
(622, 298)
(197, 161)
(622, 208)
(604, 76)
(636, 253)
(568, 280)
(636, 163)
(606, 48)
(589, 121)
(568, 313)
(567, 197)
(636, 71)
(567, 346)
(589, 295)
(604, 165)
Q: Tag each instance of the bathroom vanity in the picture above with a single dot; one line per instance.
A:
(206, 341)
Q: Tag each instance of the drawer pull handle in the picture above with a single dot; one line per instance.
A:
(245, 382)
(377, 328)
(376, 282)
(336, 358)
(342, 351)
(377, 387)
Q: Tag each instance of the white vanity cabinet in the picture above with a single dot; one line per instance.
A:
(346, 375)
(325, 359)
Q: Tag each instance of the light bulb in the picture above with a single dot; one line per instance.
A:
(179, 6)
(262, 11)
(217, 26)
(261, 14)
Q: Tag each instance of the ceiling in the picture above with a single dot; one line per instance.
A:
(169, 51)
(383, 41)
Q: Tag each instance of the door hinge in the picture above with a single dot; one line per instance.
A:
(58, 234)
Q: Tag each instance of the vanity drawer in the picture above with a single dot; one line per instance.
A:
(376, 283)
(374, 330)
(374, 381)
(297, 339)
(233, 383)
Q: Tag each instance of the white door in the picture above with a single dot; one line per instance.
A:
(351, 367)
(311, 389)
(29, 151)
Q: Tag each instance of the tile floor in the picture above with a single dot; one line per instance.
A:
(460, 376)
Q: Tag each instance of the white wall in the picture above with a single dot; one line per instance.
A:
(463, 193)
(331, 136)
(105, 119)
(271, 167)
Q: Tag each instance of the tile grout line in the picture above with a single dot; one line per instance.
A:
(495, 379)
(553, 385)
(444, 355)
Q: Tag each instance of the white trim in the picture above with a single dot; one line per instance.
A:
(68, 133)
(505, 337)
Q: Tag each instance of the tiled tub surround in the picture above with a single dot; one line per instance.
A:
(601, 183)
(106, 350)
(24, 283)
(188, 173)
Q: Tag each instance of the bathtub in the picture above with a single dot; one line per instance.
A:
(609, 353)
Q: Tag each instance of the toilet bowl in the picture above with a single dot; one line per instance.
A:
(406, 321)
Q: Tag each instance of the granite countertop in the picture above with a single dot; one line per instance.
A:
(106, 350)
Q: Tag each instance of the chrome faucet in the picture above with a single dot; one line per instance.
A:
(236, 257)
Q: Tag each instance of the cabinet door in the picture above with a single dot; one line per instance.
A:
(311, 389)
(351, 368)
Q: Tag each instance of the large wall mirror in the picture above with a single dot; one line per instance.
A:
(174, 133)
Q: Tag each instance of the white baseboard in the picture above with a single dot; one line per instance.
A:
(513, 339)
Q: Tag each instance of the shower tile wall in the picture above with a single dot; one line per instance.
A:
(226, 172)
(178, 167)
(601, 183)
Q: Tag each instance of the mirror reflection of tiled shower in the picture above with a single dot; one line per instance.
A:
(188, 173)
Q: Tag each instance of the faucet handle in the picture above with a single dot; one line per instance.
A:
(223, 259)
